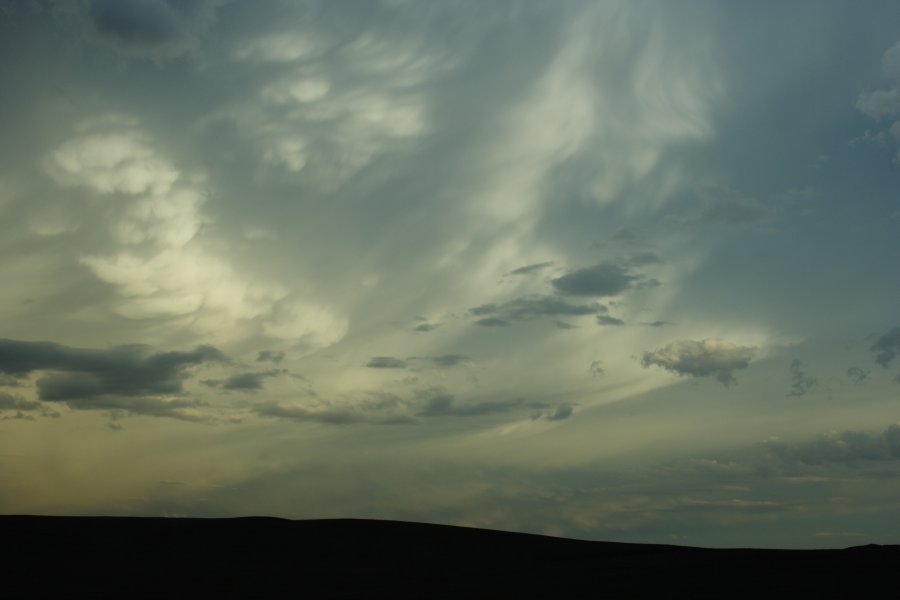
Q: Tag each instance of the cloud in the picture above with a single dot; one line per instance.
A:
(493, 322)
(841, 447)
(379, 408)
(857, 374)
(879, 104)
(111, 162)
(449, 360)
(117, 378)
(725, 205)
(270, 356)
(252, 381)
(706, 358)
(800, 382)
(643, 258)
(529, 269)
(563, 411)
(608, 320)
(423, 327)
(444, 404)
(533, 307)
(152, 28)
(386, 362)
(887, 346)
(17, 403)
(564, 325)
(658, 323)
(604, 279)
(884, 103)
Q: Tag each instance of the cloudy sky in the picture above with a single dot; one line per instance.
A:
(610, 270)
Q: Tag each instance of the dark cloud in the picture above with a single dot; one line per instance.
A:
(608, 320)
(887, 346)
(449, 360)
(426, 327)
(706, 358)
(533, 307)
(155, 28)
(658, 323)
(492, 322)
(596, 368)
(564, 325)
(112, 378)
(563, 411)
(184, 409)
(857, 375)
(438, 402)
(800, 382)
(604, 279)
(725, 205)
(443, 404)
(643, 258)
(386, 362)
(252, 381)
(378, 408)
(843, 446)
(528, 269)
(299, 413)
(270, 356)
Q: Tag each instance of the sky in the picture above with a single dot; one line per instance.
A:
(600, 269)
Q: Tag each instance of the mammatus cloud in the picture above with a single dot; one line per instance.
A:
(800, 382)
(159, 265)
(129, 378)
(386, 362)
(705, 358)
(887, 347)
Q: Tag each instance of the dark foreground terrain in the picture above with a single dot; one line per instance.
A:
(262, 557)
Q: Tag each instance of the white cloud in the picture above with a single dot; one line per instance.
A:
(161, 268)
(111, 162)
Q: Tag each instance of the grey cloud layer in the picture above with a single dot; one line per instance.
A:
(119, 377)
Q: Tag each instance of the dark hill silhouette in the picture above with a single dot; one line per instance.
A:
(111, 557)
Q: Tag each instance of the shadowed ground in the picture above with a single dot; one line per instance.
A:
(102, 557)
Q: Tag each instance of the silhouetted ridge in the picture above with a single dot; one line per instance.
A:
(264, 557)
